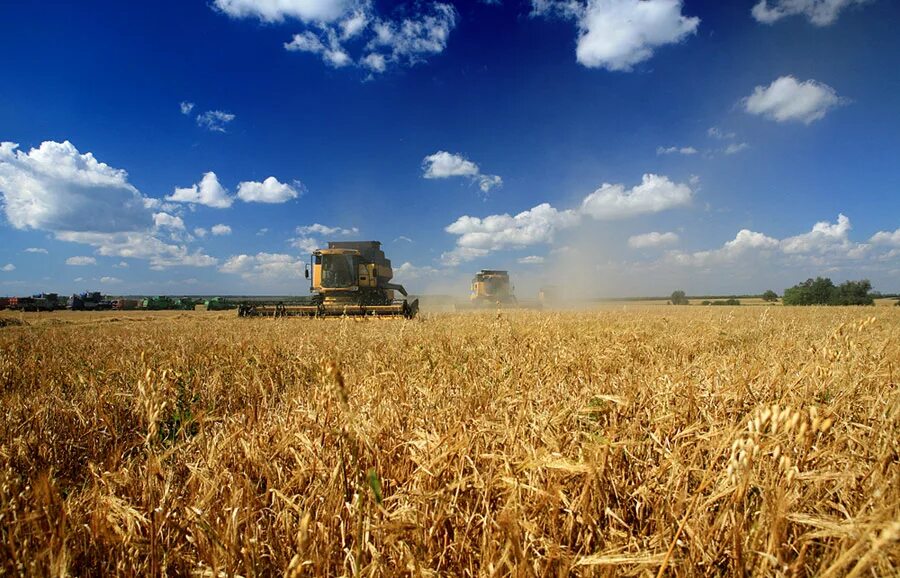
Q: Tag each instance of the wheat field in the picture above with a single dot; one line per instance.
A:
(626, 441)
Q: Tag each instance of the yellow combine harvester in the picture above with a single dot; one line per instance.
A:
(348, 278)
(490, 289)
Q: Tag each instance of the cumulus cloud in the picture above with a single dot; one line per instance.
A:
(141, 245)
(200, 232)
(412, 39)
(819, 12)
(268, 191)
(477, 236)
(215, 120)
(530, 260)
(279, 10)
(186, 107)
(319, 229)
(891, 238)
(110, 280)
(8, 268)
(826, 245)
(207, 192)
(55, 187)
(787, 99)
(165, 220)
(79, 199)
(652, 239)
(81, 261)
(444, 165)
(267, 266)
(674, 150)
(618, 34)
(220, 230)
(823, 237)
(655, 193)
(307, 242)
(36, 250)
(743, 242)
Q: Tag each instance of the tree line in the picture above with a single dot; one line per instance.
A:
(818, 291)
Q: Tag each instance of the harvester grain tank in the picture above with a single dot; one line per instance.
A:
(348, 278)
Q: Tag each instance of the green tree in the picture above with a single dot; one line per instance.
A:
(679, 298)
(770, 296)
(821, 291)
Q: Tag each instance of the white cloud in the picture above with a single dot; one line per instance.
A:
(200, 232)
(717, 133)
(36, 250)
(404, 239)
(673, 150)
(530, 260)
(8, 268)
(56, 188)
(220, 230)
(443, 165)
(329, 47)
(823, 237)
(186, 107)
(208, 192)
(81, 261)
(655, 193)
(355, 36)
(786, 99)
(121, 265)
(412, 39)
(215, 120)
(141, 245)
(307, 242)
(268, 191)
(81, 200)
(318, 229)
(734, 148)
(262, 231)
(477, 237)
(618, 34)
(166, 220)
(110, 280)
(268, 266)
(886, 238)
(652, 239)
(745, 241)
(409, 272)
(278, 10)
(819, 12)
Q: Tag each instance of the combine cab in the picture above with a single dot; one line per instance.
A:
(348, 278)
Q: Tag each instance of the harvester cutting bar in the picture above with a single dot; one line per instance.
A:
(402, 309)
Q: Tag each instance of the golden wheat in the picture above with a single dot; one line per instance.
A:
(647, 441)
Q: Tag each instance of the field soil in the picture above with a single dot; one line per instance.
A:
(631, 440)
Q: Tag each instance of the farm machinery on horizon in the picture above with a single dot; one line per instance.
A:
(350, 278)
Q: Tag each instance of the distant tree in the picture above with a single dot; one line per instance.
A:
(770, 296)
(854, 293)
(821, 291)
(679, 298)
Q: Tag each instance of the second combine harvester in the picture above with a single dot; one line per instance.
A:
(348, 278)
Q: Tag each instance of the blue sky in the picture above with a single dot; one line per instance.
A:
(618, 147)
